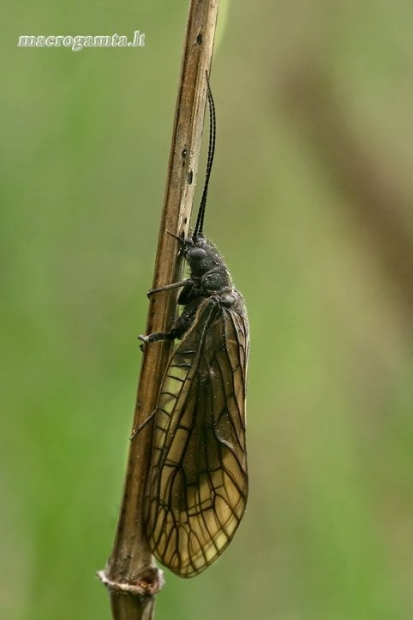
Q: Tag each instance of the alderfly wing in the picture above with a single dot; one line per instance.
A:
(197, 483)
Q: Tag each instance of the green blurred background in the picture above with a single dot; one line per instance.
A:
(311, 203)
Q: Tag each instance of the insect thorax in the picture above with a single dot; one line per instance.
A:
(209, 279)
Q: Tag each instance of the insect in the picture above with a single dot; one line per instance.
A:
(197, 483)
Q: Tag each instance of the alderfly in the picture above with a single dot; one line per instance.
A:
(197, 483)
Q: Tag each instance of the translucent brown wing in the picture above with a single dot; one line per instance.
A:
(197, 483)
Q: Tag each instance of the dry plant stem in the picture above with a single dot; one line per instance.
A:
(130, 575)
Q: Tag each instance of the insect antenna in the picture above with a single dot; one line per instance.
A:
(198, 232)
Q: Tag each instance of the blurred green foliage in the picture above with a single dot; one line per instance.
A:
(324, 265)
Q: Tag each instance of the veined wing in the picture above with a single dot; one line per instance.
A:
(197, 483)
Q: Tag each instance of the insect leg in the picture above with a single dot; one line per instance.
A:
(140, 428)
(183, 322)
(168, 287)
(159, 336)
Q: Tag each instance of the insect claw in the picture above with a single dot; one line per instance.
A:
(145, 340)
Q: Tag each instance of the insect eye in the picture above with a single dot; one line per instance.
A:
(197, 253)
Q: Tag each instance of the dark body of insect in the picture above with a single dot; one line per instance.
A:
(197, 484)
